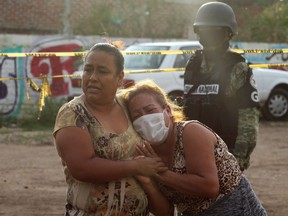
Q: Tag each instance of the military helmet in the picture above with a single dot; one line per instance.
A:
(215, 14)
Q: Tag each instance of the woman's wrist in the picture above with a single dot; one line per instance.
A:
(161, 177)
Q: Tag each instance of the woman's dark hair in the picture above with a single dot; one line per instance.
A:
(112, 48)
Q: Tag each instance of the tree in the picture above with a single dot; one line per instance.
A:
(133, 18)
(263, 21)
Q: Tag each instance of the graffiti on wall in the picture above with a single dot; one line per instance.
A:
(13, 92)
(263, 57)
(10, 90)
(56, 65)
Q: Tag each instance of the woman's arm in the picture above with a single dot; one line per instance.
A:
(158, 204)
(202, 175)
(75, 148)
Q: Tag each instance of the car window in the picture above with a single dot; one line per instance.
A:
(182, 59)
(144, 61)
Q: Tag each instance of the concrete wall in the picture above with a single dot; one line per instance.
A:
(55, 16)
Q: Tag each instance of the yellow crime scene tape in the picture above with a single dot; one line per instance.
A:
(43, 54)
(160, 52)
(45, 89)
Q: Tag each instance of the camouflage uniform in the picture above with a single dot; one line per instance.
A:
(248, 116)
(248, 121)
(223, 94)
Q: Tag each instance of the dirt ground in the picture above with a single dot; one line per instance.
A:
(32, 182)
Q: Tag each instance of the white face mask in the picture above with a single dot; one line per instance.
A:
(152, 128)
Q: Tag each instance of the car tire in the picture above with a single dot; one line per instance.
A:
(276, 107)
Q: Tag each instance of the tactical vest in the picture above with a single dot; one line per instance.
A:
(205, 100)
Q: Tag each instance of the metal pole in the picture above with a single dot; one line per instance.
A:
(67, 30)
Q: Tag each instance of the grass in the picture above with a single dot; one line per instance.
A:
(30, 120)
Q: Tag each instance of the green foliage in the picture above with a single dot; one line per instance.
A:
(7, 121)
(268, 25)
(33, 120)
(258, 21)
(132, 18)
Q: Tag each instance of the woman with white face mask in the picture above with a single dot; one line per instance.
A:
(202, 178)
(153, 127)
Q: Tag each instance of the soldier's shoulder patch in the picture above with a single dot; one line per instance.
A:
(241, 67)
(253, 82)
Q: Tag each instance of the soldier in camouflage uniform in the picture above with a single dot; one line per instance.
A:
(219, 87)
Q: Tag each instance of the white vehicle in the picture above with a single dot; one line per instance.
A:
(171, 82)
(272, 84)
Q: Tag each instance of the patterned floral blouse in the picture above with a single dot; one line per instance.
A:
(228, 172)
(123, 197)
